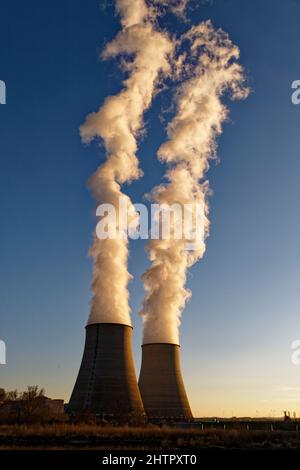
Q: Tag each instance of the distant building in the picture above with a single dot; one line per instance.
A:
(39, 408)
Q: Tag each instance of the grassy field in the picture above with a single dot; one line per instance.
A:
(84, 436)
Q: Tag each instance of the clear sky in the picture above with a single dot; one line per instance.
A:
(237, 330)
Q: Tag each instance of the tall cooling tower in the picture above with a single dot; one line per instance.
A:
(161, 383)
(106, 384)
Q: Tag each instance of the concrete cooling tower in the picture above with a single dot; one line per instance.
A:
(106, 384)
(161, 383)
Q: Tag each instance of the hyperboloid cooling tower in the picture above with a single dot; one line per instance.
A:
(161, 383)
(106, 384)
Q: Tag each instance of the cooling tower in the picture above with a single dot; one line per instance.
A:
(161, 383)
(106, 384)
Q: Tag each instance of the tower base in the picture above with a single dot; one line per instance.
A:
(106, 384)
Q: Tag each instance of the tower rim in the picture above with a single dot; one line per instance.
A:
(108, 323)
(160, 342)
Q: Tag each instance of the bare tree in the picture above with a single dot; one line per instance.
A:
(32, 402)
(2, 394)
(12, 395)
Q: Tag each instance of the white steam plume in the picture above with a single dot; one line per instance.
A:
(208, 70)
(118, 123)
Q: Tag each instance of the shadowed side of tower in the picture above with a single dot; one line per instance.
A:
(106, 382)
(161, 383)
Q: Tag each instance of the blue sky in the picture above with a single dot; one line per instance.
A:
(237, 330)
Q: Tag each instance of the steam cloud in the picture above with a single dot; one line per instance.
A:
(207, 69)
(118, 123)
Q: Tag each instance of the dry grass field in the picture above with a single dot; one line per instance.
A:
(148, 437)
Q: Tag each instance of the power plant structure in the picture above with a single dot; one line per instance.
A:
(106, 384)
(161, 384)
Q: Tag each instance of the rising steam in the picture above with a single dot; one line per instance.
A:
(208, 68)
(118, 123)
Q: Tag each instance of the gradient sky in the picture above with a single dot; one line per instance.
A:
(237, 330)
